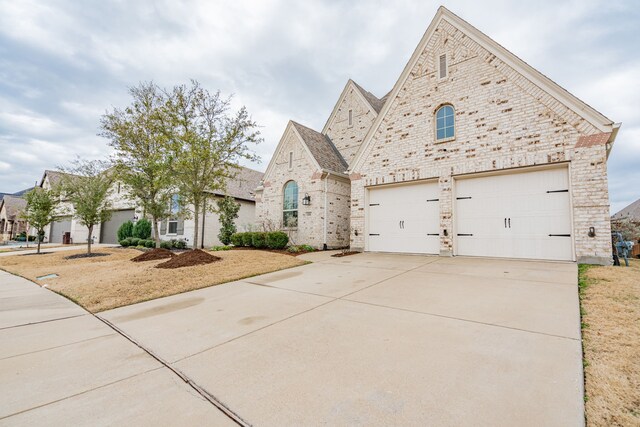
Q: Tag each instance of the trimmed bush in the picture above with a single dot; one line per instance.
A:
(165, 244)
(125, 231)
(277, 240)
(150, 244)
(259, 240)
(142, 229)
(236, 239)
(179, 244)
(293, 249)
(247, 239)
(134, 241)
(124, 243)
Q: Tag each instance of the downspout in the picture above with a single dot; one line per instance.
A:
(326, 181)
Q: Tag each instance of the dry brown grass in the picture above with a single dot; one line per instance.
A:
(107, 282)
(611, 333)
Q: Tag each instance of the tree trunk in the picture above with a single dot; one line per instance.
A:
(89, 240)
(196, 217)
(156, 234)
(38, 237)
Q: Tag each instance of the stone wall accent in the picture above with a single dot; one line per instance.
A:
(503, 121)
(348, 139)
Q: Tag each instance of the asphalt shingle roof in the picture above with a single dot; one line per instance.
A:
(631, 212)
(244, 184)
(374, 101)
(14, 205)
(322, 149)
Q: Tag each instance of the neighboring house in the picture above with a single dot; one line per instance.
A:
(631, 213)
(11, 223)
(123, 210)
(241, 188)
(473, 152)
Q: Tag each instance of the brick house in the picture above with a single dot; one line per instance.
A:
(11, 222)
(472, 152)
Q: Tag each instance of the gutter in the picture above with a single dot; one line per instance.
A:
(326, 183)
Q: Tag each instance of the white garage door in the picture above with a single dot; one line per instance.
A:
(519, 215)
(404, 218)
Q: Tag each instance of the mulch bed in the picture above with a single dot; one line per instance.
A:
(341, 254)
(188, 259)
(85, 255)
(35, 253)
(153, 255)
(275, 251)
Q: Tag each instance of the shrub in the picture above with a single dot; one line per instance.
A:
(125, 243)
(222, 248)
(227, 213)
(142, 229)
(259, 240)
(179, 244)
(277, 240)
(247, 239)
(134, 241)
(165, 244)
(293, 249)
(236, 239)
(150, 244)
(307, 248)
(125, 231)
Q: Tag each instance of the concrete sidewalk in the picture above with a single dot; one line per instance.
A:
(47, 249)
(60, 365)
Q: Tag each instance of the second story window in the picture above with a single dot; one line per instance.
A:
(445, 123)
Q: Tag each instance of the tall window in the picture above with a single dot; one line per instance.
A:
(290, 205)
(172, 224)
(445, 122)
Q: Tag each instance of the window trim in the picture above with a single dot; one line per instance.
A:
(435, 124)
(169, 222)
(296, 209)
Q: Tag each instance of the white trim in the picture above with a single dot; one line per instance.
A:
(553, 89)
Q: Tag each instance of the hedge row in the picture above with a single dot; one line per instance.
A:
(261, 240)
(134, 241)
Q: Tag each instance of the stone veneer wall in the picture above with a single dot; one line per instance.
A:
(502, 121)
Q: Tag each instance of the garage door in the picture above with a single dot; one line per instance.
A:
(58, 228)
(109, 229)
(404, 218)
(519, 215)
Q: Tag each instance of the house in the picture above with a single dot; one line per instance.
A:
(241, 188)
(631, 213)
(11, 223)
(124, 210)
(472, 152)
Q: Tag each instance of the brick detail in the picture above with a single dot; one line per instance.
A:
(591, 140)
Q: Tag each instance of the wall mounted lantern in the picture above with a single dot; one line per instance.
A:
(592, 232)
(306, 200)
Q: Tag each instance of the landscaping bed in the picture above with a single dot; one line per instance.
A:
(610, 308)
(106, 282)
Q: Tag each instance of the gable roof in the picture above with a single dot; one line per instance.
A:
(13, 205)
(583, 110)
(243, 185)
(54, 177)
(369, 99)
(631, 212)
(322, 149)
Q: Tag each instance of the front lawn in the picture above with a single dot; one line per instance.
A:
(610, 305)
(107, 282)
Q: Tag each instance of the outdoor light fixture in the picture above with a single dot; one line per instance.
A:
(592, 232)
(135, 217)
(306, 200)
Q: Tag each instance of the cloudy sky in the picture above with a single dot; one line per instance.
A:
(64, 63)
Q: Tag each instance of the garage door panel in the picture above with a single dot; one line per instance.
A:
(514, 215)
(404, 218)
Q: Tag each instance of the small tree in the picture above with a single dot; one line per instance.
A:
(87, 185)
(125, 230)
(227, 213)
(208, 141)
(40, 210)
(140, 136)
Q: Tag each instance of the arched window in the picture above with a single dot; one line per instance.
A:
(445, 123)
(290, 205)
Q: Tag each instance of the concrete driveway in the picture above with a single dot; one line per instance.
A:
(375, 339)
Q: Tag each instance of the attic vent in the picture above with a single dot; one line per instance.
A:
(443, 66)
(350, 117)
